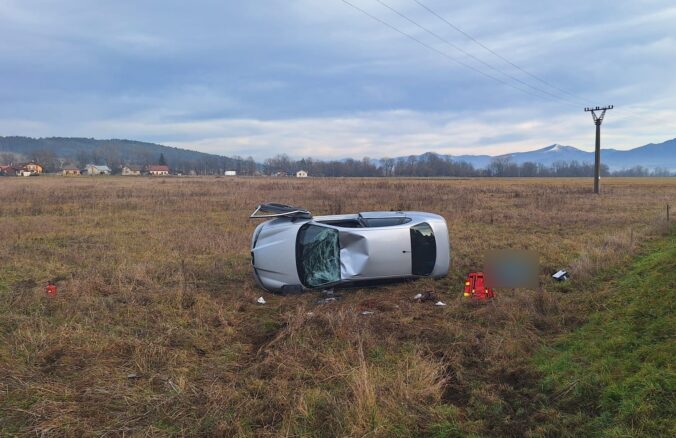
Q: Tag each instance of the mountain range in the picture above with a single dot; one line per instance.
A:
(660, 155)
(71, 147)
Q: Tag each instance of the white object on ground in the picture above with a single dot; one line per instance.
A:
(439, 303)
(417, 297)
(365, 312)
(561, 275)
(260, 300)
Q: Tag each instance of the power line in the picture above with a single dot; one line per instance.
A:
(544, 81)
(444, 54)
(460, 49)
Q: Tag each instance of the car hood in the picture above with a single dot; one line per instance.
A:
(274, 253)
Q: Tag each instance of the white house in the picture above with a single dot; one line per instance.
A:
(301, 174)
(93, 169)
(230, 173)
(132, 170)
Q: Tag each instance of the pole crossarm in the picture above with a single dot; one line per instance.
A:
(598, 119)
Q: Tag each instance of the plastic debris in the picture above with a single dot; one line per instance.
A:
(425, 297)
(439, 303)
(51, 289)
(133, 376)
(260, 300)
(561, 276)
(328, 296)
(366, 313)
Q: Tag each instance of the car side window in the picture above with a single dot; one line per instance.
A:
(423, 249)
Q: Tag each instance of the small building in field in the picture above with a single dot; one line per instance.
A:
(281, 173)
(230, 173)
(32, 167)
(70, 171)
(301, 174)
(158, 169)
(95, 169)
(9, 170)
(132, 170)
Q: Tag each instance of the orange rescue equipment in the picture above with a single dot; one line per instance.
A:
(475, 287)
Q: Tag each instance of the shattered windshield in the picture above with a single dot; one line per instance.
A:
(317, 255)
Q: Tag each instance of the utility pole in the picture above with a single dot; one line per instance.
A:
(597, 154)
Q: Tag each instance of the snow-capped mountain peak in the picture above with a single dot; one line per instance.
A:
(558, 148)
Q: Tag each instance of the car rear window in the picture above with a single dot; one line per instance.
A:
(317, 255)
(423, 249)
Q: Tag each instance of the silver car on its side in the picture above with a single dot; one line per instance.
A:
(294, 251)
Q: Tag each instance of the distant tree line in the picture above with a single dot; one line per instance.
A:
(56, 153)
(432, 165)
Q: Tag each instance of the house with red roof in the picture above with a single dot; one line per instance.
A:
(158, 169)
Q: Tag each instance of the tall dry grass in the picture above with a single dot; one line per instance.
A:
(155, 330)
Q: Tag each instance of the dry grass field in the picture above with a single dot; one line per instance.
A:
(156, 331)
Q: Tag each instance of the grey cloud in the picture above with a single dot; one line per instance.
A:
(315, 77)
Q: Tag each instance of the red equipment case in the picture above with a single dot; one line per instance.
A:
(475, 287)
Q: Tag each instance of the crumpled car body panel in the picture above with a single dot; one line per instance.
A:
(372, 253)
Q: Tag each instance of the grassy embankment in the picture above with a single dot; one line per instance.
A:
(615, 377)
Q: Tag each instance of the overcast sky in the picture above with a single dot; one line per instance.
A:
(319, 78)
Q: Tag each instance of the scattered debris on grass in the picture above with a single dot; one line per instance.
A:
(367, 312)
(328, 296)
(51, 289)
(261, 300)
(561, 276)
(425, 297)
(439, 303)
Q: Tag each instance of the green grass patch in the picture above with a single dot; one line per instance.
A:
(614, 376)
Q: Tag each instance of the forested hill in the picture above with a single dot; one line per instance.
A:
(54, 151)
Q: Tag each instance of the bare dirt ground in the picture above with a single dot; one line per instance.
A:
(155, 329)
